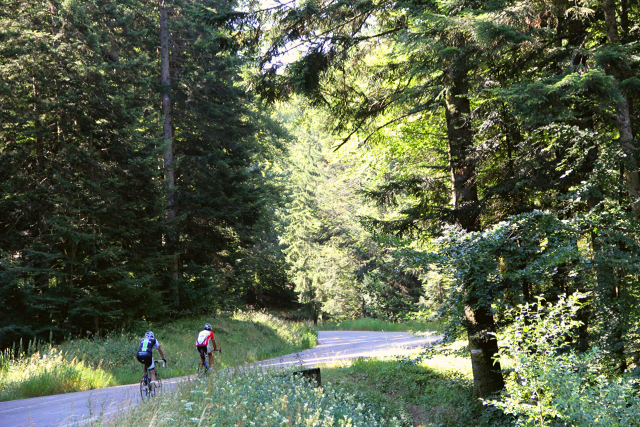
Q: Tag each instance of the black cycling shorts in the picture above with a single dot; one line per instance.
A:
(145, 358)
(202, 349)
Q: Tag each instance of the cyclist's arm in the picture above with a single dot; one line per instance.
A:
(215, 347)
(159, 349)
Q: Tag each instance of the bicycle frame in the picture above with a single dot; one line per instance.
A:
(146, 391)
(203, 359)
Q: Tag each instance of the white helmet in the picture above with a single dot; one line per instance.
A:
(149, 334)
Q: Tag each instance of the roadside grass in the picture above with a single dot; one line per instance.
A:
(48, 373)
(252, 397)
(369, 324)
(433, 392)
(85, 364)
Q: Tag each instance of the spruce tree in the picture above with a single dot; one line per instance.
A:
(77, 167)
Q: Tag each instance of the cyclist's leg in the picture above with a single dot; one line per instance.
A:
(144, 359)
(152, 369)
(202, 351)
(210, 353)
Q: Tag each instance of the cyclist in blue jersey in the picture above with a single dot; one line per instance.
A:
(145, 353)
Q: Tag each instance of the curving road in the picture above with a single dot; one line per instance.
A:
(81, 407)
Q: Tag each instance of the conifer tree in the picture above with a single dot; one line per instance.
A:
(437, 54)
(220, 193)
(84, 200)
(303, 226)
(77, 167)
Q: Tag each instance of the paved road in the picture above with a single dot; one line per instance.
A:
(78, 408)
(340, 345)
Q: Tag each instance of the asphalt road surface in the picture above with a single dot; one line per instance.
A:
(77, 409)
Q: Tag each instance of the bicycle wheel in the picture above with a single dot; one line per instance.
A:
(144, 389)
(158, 387)
(202, 369)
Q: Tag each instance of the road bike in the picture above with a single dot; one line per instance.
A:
(150, 388)
(203, 365)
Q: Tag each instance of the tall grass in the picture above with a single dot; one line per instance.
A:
(49, 373)
(370, 324)
(85, 364)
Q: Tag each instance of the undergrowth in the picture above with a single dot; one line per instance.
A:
(429, 391)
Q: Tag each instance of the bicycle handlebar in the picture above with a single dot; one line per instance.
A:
(164, 365)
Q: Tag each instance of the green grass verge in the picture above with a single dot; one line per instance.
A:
(106, 361)
(369, 324)
(435, 392)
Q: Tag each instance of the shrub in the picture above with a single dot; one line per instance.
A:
(551, 384)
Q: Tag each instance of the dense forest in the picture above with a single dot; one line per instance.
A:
(409, 159)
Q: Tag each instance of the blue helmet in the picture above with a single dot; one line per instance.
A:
(149, 334)
(207, 327)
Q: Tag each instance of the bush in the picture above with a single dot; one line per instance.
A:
(551, 384)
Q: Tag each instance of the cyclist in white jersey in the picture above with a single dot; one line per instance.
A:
(145, 353)
(206, 343)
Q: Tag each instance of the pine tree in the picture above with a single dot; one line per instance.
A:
(220, 193)
(77, 167)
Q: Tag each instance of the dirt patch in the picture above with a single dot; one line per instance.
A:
(419, 415)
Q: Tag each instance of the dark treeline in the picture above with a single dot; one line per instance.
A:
(92, 234)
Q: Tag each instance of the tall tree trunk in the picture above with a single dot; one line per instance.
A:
(483, 347)
(631, 173)
(624, 19)
(461, 161)
(609, 7)
(623, 117)
(480, 325)
(41, 278)
(167, 136)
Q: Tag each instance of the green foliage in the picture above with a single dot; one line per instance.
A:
(49, 373)
(455, 349)
(77, 168)
(550, 383)
(84, 227)
(222, 196)
(253, 397)
(336, 266)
